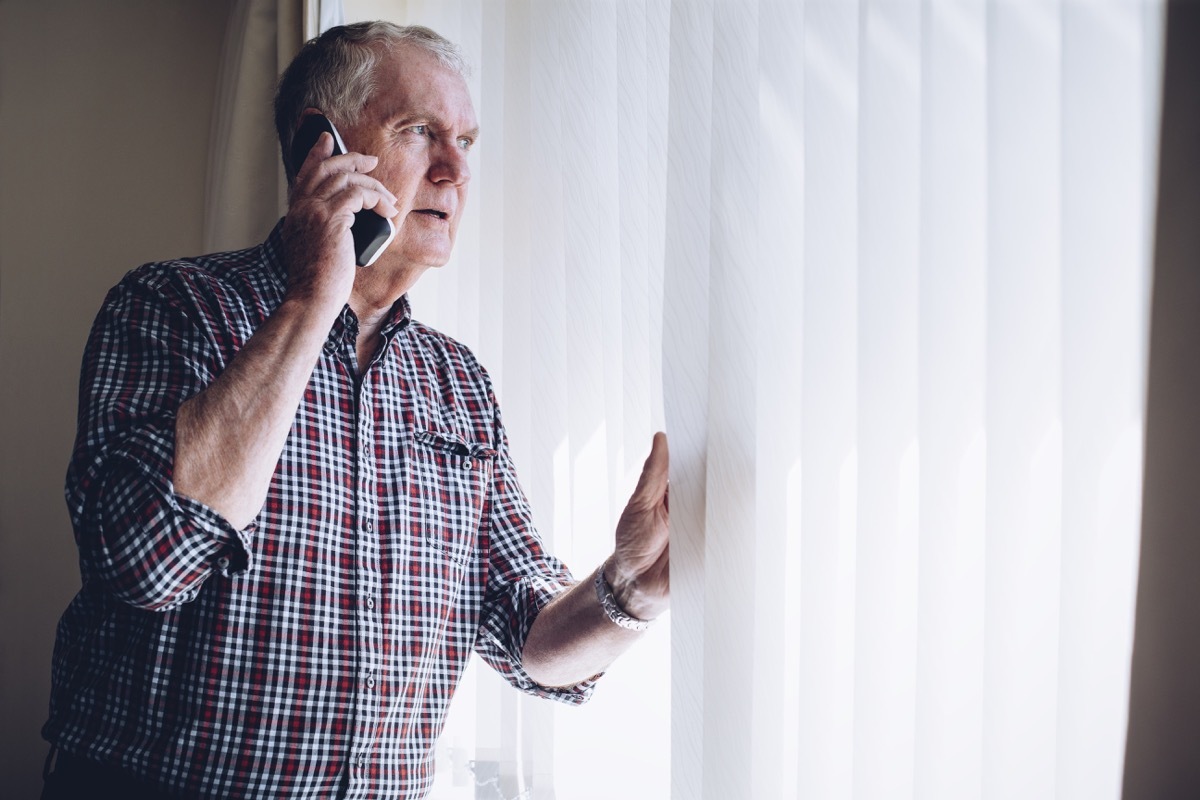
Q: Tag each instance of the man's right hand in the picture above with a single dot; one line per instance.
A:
(322, 201)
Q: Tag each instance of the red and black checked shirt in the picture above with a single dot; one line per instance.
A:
(330, 634)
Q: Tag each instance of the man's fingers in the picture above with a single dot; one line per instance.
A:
(652, 485)
(319, 153)
(335, 182)
(356, 198)
(320, 163)
(351, 162)
(357, 191)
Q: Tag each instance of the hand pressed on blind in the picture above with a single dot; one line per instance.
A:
(639, 570)
(573, 638)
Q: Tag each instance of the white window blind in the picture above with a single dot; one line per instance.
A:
(881, 269)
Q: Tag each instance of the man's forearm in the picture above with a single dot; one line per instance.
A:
(573, 639)
(228, 438)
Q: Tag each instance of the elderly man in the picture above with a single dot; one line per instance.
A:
(295, 507)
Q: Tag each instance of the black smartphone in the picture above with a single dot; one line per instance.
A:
(372, 233)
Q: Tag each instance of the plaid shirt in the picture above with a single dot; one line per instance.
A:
(330, 634)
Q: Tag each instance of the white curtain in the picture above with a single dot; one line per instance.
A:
(906, 280)
(246, 189)
(881, 269)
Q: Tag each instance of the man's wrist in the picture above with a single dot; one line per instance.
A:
(308, 301)
(627, 600)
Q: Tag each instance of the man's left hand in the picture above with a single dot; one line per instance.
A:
(639, 570)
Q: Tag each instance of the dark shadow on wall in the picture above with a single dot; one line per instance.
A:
(1162, 758)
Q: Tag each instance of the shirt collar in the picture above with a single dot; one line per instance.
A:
(399, 318)
(272, 250)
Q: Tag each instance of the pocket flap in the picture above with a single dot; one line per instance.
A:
(446, 442)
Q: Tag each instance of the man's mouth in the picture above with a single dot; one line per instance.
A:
(432, 212)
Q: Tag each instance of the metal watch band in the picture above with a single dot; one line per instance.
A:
(604, 593)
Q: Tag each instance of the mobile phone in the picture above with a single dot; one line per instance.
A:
(372, 233)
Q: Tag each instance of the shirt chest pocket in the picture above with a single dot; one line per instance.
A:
(448, 483)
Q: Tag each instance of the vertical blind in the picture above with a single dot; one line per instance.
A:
(881, 270)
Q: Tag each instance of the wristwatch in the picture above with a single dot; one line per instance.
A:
(604, 593)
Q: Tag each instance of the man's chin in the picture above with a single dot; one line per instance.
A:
(424, 255)
(409, 259)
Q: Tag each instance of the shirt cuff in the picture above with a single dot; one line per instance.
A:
(503, 635)
(152, 450)
(235, 556)
(149, 453)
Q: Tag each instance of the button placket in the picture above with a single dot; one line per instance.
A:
(367, 579)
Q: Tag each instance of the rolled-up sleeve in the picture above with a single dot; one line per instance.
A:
(147, 354)
(522, 580)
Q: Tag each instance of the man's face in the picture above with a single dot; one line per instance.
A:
(420, 123)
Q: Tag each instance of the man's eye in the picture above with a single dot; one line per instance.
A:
(465, 143)
(420, 130)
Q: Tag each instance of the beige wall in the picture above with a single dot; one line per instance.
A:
(105, 110)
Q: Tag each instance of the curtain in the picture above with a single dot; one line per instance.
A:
(904, 359)
(881, 269)
(246, 188)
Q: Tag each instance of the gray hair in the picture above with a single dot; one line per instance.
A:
(335, 72)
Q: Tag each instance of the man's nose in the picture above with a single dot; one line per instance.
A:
(450, 165)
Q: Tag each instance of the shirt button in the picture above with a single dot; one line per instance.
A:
(367, 526)
(371, 682)
(470, 464)
(223, 562)
(366, 449)
(330, 346)
(371, 603)
(362, 760)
